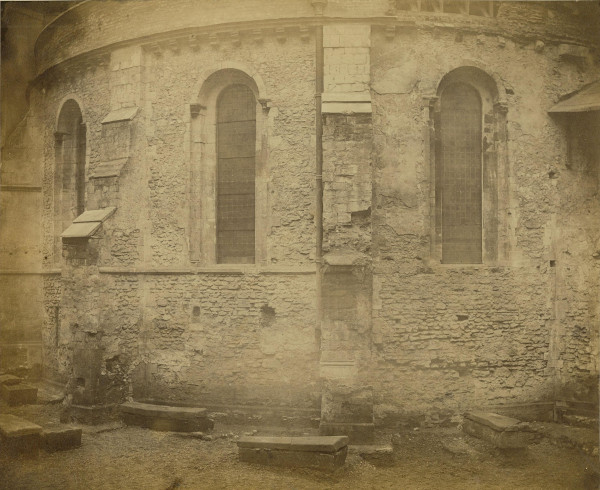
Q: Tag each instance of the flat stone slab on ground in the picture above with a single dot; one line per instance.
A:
(322, 452)
(504, 432)
(19, 435)
(18, 394)
(168, 418)
(374, 453)
(323, 444)
(61, 438)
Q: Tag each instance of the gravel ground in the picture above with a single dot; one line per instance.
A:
(116, 457)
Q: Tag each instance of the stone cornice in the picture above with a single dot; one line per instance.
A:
(239, 33)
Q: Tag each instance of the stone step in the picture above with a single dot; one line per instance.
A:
(501, 431)
(60, 438)
(18, 394)
(166, 418)
(18, 435)
(321, 452)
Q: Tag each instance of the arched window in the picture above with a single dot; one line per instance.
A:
(236, 149)
(461, 162)
(469, 169)
(229, 198)
(69, 176)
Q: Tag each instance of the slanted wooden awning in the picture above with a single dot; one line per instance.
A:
(88, 223)
(585, 99)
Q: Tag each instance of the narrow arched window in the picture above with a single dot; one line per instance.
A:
(236, 149)
(69, 175)
(461, 174)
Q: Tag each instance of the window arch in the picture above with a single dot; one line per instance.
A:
(228, 163)
(468, 135)
(69, 174)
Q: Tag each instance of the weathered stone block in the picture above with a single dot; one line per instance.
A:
(166, 418)
(88, 414)
(325, 453)
(61, 438)
(18, 435)
(379, 455)
(503, 432)
(19, 394)
(358, 433)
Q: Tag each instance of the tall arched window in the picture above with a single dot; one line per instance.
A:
(469, 169)
(69, 176)
(460, 183)
(236, 150)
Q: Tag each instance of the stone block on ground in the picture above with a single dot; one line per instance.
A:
(18, 435)
(50, 392)
(61, 438)
(379, 455)
(358, 433)
(319, 452)
(18, 394)
(88, 414)
(166, 418)
(499, 430)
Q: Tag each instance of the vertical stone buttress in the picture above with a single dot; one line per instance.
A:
(83, 284)
(347, 398)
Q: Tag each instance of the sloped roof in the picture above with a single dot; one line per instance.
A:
(585, 99)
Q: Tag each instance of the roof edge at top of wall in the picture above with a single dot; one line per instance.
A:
(77, 39)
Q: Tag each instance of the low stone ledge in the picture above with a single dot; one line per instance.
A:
(60, 438)
(358, 433)
(166, 418)
(499, 430)
(320, 452)
(18, 394)
(18, 435)
(89, 414)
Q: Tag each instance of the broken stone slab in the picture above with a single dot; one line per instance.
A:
(9, 379)
(60, 438)
(18, 394)
(321, 452)
(377, 454)
(501, 431)
(166, 418)
(18, 435)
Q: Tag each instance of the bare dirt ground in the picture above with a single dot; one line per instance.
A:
(117, 457)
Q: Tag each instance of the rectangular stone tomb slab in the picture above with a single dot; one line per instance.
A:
(503, 432)
(18, 435)
(19, 394)
(325, 453)
(166, 418)
(61, 438)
